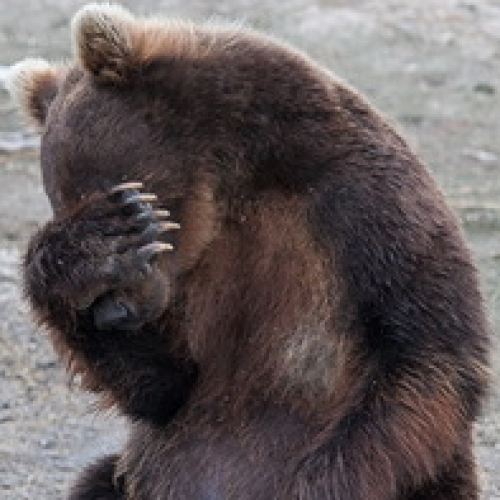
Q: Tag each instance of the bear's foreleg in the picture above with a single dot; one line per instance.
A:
(94, 279)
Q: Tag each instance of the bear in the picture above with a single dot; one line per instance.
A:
(248, 261)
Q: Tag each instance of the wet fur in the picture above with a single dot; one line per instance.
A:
(323, 336)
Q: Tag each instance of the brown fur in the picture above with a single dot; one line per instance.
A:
(317, 333)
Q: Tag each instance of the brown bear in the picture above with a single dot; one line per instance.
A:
(311, 329)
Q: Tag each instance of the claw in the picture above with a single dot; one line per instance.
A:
(155, 228)
(162, 227)
(159, 214)
(125, 186)
(147, 252)
(153, 214)
(139, 198)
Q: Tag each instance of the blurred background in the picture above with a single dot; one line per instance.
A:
(432, 66)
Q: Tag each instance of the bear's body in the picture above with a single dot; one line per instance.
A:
(317, 331)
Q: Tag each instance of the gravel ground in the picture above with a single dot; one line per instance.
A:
(432, 66)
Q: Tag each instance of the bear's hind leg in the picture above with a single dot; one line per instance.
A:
(98, 482)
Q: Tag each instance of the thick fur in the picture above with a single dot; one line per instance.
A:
(33, 85)
(318, 332)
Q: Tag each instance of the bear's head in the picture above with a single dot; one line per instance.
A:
(116, 112)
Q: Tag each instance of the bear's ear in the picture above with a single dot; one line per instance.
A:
(103, 41)
(33, 84)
